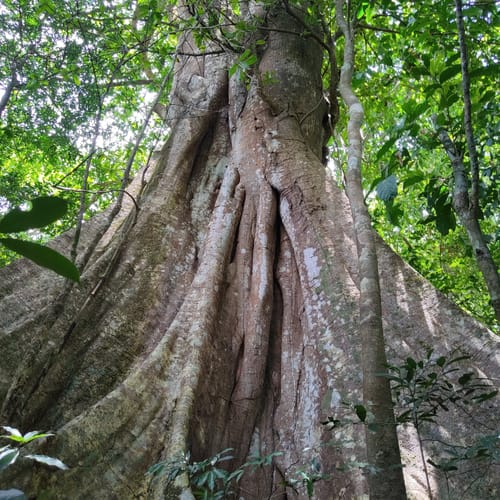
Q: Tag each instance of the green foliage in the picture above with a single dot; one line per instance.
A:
(408, 69)
(9, 455)
(206, 478)
(424, 388)
(43, 211)
(486, 448)
(306, 478)
(79, 74)
(243, 64)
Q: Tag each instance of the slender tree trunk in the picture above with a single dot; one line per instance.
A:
(467, 213)
(382, 446)
(466, 201)
(224, 313)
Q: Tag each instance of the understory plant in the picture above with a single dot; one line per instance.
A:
(306, 477)
(10, 453)
(427, 387)
(208, 480)
(422, 390)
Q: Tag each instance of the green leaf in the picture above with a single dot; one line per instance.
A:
(310, 488)
(486, 396)
(44, 459)
(449, 73)
(410, 373)
(16, 436)
(44, 210)
(465, 378)
(233, 69)
(12, 431)
(492, 70)
(413, 179)
(387, 145)
(411, 363)
(388, 188)
(393, 212)
(43, 256)
(404, 417)
(445, 219)
(360, 412)
(441, 361)
(7, 457)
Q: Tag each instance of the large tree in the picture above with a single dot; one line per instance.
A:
(241, 299)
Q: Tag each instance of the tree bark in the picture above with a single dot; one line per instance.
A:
(224, 313)
(382, 447)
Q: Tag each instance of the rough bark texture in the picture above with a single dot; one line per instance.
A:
(225, 313)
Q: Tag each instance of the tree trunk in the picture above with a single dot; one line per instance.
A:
(223, 313)
(382, 447)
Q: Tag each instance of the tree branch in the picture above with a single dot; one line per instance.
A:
(469, 134)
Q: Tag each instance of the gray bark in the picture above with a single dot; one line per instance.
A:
(382, 448)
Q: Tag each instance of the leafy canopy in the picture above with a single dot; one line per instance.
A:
(77, 77)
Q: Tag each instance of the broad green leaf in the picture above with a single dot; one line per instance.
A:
(233, 69)
(12, 430)
(17, 439)
(16, 436)
(410, 373)
(441, 361)
(47, 6)
(388, 188)
(360, 412)
(44, 210)
(31, 436)
(388, 144)
(449, 73)
(310, 488)
(491, 70)
(393, 212)
(411, 362)
(413, 179)
(8, 457)
(430, 89)
(43, 256)
(445, 219)
(44, 459)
